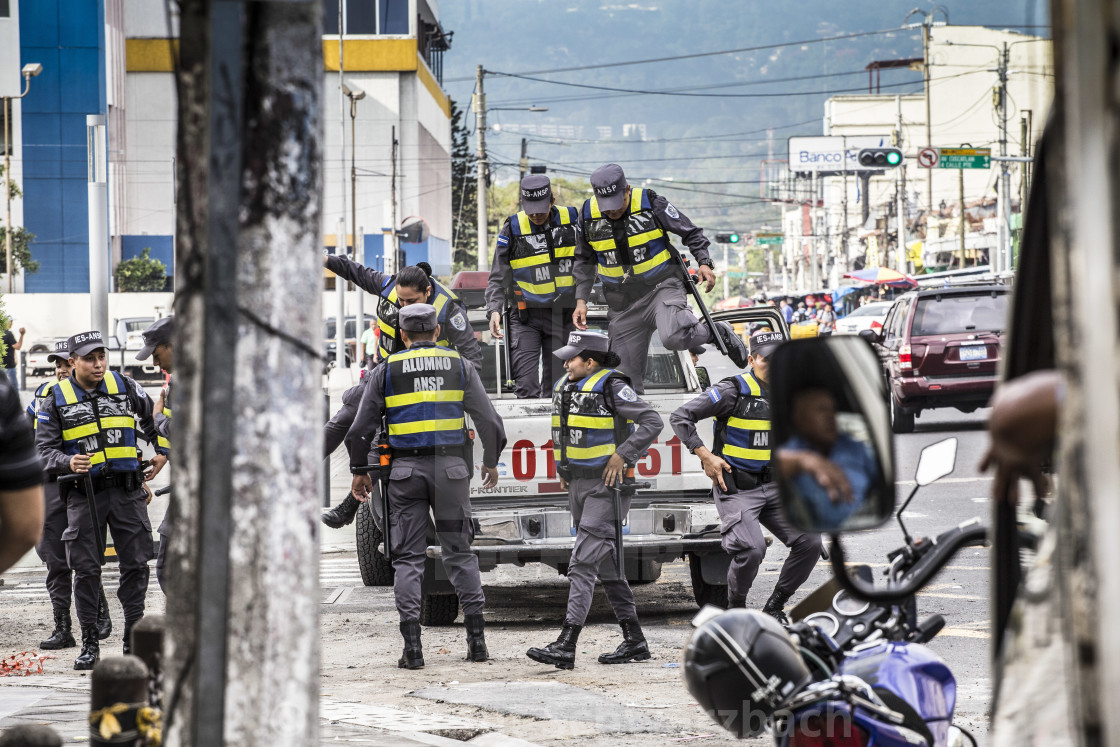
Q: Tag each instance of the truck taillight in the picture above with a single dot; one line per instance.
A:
(904, 362)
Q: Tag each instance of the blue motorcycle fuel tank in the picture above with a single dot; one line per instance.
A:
(913, 673)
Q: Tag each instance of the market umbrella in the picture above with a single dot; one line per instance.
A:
(883, 276)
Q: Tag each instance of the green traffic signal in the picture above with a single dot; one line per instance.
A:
(894, 158)
(733, 238)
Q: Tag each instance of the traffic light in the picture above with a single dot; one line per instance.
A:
(727, 238)
(880, 158)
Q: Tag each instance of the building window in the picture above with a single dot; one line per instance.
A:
(392, 17)
(5, 9)
(366, 17)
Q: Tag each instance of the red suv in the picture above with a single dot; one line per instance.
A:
(941, 348)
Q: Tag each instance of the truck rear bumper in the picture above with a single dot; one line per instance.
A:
(660, 549)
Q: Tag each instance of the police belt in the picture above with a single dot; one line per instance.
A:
(750, 480)
(622, 296)
(575, 472)
(123, 480)
(453, 450)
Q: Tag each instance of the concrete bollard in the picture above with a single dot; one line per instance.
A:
(147, 643)
(118, 694)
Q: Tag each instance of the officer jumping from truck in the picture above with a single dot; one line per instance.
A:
(413, 284)
(421, 395)
(740, 468)
(531, 285)
(624, 239)
(600, 426)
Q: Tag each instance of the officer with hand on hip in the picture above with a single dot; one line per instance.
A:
(625, 240)
(420, 396)
(532, 277)
(599, 426)
(157, 346)
(739, 465)
(51, 549)
(88, 428)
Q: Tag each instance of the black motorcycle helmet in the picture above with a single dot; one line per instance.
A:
(741, 667)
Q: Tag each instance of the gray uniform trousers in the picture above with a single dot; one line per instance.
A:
(664, 309)
(740, 517)
(126, 514)
(161, 553)
(51, 549)
(544, 331)
(440, 484)
(592, 506)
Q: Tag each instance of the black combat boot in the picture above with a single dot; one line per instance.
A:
(476, 638)
(91, 650)
(104, 622)
(561, 653)
(632, 648)
(775, 606)
(736, 603)
(342, 514)
(128, 625)
(62, 637)
(413, 655)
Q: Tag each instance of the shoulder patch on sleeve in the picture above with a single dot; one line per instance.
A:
(503, 240)
(459, 322)
(714, 395)
(141, 392)
(628, 394)
(43, 416)
(671, 211)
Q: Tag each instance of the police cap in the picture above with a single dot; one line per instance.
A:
(84, 343)
(418, 317)
(158, 334)
(61, 352)
(609, 184)
(764, 343)
(536, 194)
(579, 341)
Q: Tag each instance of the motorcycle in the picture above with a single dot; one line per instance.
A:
(852, 670)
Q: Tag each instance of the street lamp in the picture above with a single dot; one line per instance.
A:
(30, 70)
(355, 94)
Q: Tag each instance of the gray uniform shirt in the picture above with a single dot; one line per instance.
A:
(491, 430)
(48, 434)
(647, 423)
(372, 281)
(669, 218)
(717, 402)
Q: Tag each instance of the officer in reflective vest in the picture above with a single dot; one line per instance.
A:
(50, 549)
(413, 284)
(422, 395)
(740, 468)
(157, 345)
(89, 427)
(599, 426)
(532, 277)
(624, 240)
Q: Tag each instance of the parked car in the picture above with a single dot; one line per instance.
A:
(869, 316)
(941, 348)
(351, 332)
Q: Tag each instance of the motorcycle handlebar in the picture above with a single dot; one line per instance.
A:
(941, 550)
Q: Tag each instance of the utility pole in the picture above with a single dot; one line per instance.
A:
(479, 103)
(1003, 204)
(726, 271)
(29, 71)
(929, 120)
(242, 648)
(960, 189)
(900, 195)
(524, 162)
(844, 202)
(340, 244)
(394, 240)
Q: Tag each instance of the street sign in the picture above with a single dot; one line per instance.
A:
(928, 158)
(763, 239)
(833, 154)
(964, 158)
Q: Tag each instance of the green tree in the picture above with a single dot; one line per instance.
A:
(141, 274)
(464, 196)
(21, 240)
(5, 321)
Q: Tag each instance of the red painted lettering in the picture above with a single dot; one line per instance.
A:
(653, 466)
(674, 445)
(524, 460)
(550, 459)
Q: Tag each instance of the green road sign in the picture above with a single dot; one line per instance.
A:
(964, 158)
(762, 239)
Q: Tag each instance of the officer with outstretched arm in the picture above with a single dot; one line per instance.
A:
(421, 396)
(599, 426)
(740, 467)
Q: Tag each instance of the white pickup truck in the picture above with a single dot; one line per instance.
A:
(123, 345)
(525, 518)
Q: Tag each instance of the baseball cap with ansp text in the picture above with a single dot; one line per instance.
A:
(61, 352)
(578, 342)
(763, 343)
(84, 343)
(536, 194)
(609, 184)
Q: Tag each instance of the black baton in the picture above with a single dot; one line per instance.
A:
(691, 286)
(509, 360)
(91, 504)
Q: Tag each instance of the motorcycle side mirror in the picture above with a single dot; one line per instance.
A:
(936, 461)
(831, 434)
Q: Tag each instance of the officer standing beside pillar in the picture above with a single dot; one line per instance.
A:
(532, 278)
(595, 442)
(158, 346)
(420, 396)
(88, 428)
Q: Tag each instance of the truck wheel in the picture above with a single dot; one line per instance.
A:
(642, 572)
(702, 591)
(438, 609)
(376, 568)
(901, 422)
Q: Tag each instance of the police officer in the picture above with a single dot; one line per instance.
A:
(421, 395)
(88, 427)
(413, 284)
(50, 548)
(158, 346)
(739, 466)
(593, 407)
(624, 240)
(532, 276)
(334, 433)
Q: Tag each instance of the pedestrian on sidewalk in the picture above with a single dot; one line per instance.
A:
(11, 345)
